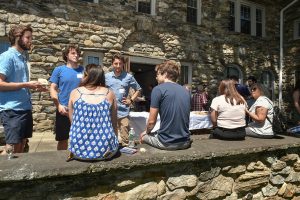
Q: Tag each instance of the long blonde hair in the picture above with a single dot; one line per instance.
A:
(227, 88)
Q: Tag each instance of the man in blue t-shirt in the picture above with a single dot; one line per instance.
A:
(172, 102)
(15, 97)
(64, 79)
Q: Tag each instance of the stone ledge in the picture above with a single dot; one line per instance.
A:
(52, 164)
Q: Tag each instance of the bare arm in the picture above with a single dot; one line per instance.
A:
(114, 117)
(134, 96)
(260, 114)
(214, 117)
(70, 104)
(151, 120)
(11, 86)
(296, 96)
(54, 96)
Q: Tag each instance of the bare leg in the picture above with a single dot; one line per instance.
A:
(62, 145)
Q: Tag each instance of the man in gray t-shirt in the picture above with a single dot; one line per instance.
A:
(172, 102)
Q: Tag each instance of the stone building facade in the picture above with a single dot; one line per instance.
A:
(211, 39)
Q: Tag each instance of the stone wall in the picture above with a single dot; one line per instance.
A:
(258, 173)
(109, 27)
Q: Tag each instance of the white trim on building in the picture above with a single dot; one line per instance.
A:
(254, 10)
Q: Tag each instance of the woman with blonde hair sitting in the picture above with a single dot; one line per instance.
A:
(228, 113)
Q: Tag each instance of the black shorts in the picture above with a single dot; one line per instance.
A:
(62, 127)
(17, 125)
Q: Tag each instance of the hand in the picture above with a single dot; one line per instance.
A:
(37, 86)
(142, 134)
(63, 110)
(126, 101)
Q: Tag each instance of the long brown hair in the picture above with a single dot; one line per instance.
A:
(94, 76)
(228, 89)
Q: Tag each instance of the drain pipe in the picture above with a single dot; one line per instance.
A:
(281, 52)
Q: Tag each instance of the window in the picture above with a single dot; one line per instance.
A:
(297, 29)
(193, 11)
(297, 76)
(246, 17)
(267, 79)
(146, 6)
(92, 58)
(185, 73)
(231, 16)
(234, 70)
(4, 45)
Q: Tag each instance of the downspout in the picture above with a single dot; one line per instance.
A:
(281, 52)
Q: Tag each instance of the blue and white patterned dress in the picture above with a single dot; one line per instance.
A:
(91, 133)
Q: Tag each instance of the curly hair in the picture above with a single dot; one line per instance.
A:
(67, 50)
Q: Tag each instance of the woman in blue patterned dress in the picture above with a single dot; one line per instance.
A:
(93, 116)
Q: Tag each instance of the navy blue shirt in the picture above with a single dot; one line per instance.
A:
(173, 102)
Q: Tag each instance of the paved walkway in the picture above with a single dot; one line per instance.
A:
(41, 142)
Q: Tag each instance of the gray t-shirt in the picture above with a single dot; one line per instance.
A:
(173, 102)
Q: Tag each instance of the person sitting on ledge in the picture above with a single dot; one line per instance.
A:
(93, 116)
(261, 114)
(228, 113)
(172, 102)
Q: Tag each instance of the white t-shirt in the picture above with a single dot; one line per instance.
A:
(229, 116)
(264, 128)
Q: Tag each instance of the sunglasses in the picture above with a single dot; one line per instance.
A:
(253, 89)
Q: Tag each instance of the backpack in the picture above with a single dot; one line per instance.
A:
(279, 124)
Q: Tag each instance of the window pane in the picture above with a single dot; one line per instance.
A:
(258, 22)
(298, 29)
(231, 16)
(4, 46)
(232, 71)
(93, 60)
(192, 11)
(297, 75)
(245, 19)
(267, 81)
(144, 7)
(184, 74)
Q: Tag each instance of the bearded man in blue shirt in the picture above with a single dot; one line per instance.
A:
(15, 97)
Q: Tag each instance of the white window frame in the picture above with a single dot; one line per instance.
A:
(199, 6)
(152, 7)
(296, 29)
(253, 7)
(86, 54)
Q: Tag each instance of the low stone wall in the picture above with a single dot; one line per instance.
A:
(235, 170)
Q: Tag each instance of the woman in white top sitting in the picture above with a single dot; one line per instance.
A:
(228, 113)
(261, 114)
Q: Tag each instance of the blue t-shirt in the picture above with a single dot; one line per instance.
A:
(173, 102)
(13, 65)
(120, 86)
(66, 79)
